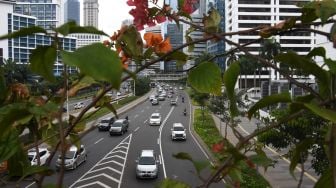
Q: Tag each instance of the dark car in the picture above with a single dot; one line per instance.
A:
(105, 124)
(119, 127)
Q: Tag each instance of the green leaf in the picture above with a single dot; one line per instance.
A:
(321, 111)
(71, 27)
(308, 67)
(3, 87)
(50, 134)
(299, 150)
(189, 40)
(9, 145)
(319, 51)
(148, 53)
(230, 79)
(131, 43)
(268, 101)
(318, 9)
(178, 56)
(111, 108)
(82, 83)
(331, 65)
(236, 174)
(79, 127)
(261, 160)
(98, 62)
(326, 180)
(212, 21)
(333, 34)
(183, 156)
(42, 61)
(75, 139)
(206, 78)
(24, 32)
(11, 114)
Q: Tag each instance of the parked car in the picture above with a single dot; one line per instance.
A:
(155, 119)
(173, 102)
(155, 102)
(105, 124)
(147, 165)
(73, 158)
(178, 132)
(44, 155)
(79, 105)
(120, 126)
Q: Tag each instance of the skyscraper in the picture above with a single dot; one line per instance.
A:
(175, 35)
(48, 12)
(91, 13)
(72, 11)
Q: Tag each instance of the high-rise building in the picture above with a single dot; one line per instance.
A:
(176, 36)
(72, 11)
(246, 14)
(158, 29)
(19, 49)
(48, 12)
(91, 9)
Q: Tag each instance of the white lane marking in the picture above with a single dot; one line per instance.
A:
(283, 158)
(160, 159)
(136, 115)
(94, 183)
(158, 141)
(136, 129)
(30, 185)
(106, 168)
(99, 141)
(160, 136)
(145, 120)
(109, 153)
(102, 174)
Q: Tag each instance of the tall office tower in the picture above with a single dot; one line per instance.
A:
(215, 48)
(176, 36)
(91, 13)
(72, 11)
(199, 48)
(246, 14)
(48, 12)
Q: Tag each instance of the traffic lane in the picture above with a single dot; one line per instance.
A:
(145, 138)
(98, 143)
(183, 170)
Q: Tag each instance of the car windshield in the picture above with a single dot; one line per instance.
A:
(105, 121)
(31, 157)
(147, 161)
(69, 154)
(155, 117)
(178, 129)
(117, 124)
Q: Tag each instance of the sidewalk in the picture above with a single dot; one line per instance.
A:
(279, 175)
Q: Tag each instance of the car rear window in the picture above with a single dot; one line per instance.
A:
(146, 161)
(117, 124)
(155, 117)
(178, 129)
(105, 121)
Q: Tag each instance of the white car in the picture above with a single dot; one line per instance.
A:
(79, 105)
(44, 155)
(147, 165)
(152, 97)
(155, 119)
(178, 132)
(73, 157)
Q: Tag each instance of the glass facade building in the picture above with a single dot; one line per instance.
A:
(20, 48)
(72, 11)
(47, 12)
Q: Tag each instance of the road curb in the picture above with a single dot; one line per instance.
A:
(198, 138)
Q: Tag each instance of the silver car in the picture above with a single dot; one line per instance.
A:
(119, 127)
(73, 157)
(155, 119)
(147, 165)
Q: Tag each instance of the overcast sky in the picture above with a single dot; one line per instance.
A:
(112, 13)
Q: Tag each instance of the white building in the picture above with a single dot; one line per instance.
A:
(246, 14)
(91, 9)
(86, 39)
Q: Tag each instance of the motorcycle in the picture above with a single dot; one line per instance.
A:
(185, 112)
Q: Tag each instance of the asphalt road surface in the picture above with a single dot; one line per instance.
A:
(111, 159)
